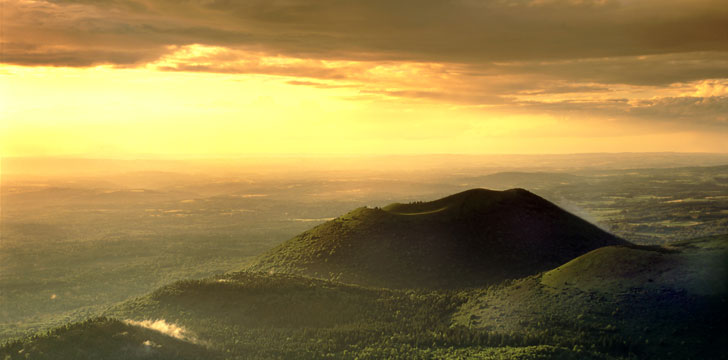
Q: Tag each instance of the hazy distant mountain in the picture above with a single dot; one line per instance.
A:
(530, 180)
(472, 238)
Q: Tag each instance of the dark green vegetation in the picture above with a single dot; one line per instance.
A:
(261, 316)
(93, 242)
(552, 315)
(668, 302)
(103, 338)
(472, 238)
(697, 266)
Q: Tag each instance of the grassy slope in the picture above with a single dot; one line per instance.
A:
(255, 300)
(103, 338)
(559, 314)
(668, 303)
(697, 266)
(249, 315)
(468, 239)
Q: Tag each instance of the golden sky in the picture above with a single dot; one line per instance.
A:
(128, 78)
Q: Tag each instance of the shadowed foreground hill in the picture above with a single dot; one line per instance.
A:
(670, 302)
(696, 267)
(472, 238)
(617, 302)
(104, 338)
(260, 316)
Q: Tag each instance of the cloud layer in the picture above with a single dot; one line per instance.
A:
(663, 60)
(82, 32)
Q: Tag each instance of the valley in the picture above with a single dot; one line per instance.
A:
(210, 258)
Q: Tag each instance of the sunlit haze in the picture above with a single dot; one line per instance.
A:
(363, 179)
(153, 78)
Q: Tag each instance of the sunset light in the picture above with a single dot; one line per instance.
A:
(363, 179)
(153, 78)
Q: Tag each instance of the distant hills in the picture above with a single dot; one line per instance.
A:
(473, 238)
(530, 180)
(558, 288)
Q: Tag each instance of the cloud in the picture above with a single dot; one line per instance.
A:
(706, 113)
(662, 69)
(709, 88)
(565, 89)
(201, 58)
(711, 111)
(576, 58)
(319, 85)
(458, 31)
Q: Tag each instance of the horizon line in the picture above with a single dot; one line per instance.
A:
(335, 155)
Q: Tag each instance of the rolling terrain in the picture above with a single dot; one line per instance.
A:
(93, 240)
(668, 301)
(479, 274)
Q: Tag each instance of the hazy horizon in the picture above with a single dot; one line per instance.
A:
(353, 165)
(219, 78)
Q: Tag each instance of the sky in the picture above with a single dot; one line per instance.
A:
(217, 78)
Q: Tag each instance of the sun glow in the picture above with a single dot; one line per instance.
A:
(365, 108)
(116, 112)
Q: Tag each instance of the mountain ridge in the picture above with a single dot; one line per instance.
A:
(472, 238)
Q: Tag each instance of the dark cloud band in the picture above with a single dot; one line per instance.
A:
(460, 31)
